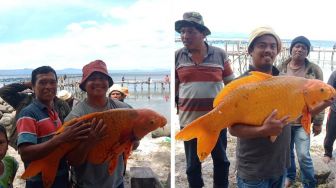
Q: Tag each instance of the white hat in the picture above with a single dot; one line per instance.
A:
(117, 87)
(64, 95)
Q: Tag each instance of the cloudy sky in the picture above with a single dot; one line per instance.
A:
(139, 34)
(126, 34)
(289, 18)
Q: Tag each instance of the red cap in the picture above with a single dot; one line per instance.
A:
(94, 66)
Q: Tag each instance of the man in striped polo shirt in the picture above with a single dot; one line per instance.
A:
(200, 71)
(37, 124)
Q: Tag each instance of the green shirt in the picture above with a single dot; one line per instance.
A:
(10, 168)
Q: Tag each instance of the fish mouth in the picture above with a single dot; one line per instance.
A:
(163, 122)
(332, 93)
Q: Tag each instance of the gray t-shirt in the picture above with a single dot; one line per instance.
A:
(259, 158)
(90, 175)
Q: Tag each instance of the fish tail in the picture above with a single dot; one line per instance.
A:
(192, 130)
(206, 138)
(205, 144)
(47, 166)
(33, 169)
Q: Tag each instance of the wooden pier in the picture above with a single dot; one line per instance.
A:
(239, 57)
(71, 84)
(152, 84)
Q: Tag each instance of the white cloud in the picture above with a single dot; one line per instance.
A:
(288, 18)
(144, 40)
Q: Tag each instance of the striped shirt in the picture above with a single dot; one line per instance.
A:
(198, 84)
(37, 124)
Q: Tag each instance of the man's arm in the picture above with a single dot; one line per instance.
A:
(30, 152)
(270, 127)
(228, 75)
(11, 93)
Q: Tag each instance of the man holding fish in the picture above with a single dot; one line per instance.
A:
(37, 124)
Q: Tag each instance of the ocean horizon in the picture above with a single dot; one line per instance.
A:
(324, 44)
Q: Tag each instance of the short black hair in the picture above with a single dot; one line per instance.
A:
(41, 70)
(3, 130)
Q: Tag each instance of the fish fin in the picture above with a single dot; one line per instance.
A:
(127, 152)
(273, 138)
(206, 138)
(113, 158)
(306, 119)
(254, 76)
(49, 173)
(112, 165)
(205, 144)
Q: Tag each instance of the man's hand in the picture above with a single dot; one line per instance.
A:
(75, 132)
(28, 84)
(317, 129)
(273, 126)
(97, 132)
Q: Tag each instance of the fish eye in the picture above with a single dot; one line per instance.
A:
(151, 122)
(322, 90)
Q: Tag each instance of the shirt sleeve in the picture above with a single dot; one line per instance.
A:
(10, 93)
(77, 111)
(26, 128)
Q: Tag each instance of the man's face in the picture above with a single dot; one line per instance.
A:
(299, 51)
(191, 37)
(264, 52)
(45, 87)
(116, 95)
(97, 85)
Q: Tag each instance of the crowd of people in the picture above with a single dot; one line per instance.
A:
(201, 70)
(40, 112)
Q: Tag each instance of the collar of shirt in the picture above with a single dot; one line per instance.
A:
(275, 71)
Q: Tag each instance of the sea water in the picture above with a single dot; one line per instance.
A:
(154, 97)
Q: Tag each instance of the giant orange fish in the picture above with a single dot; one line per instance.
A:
(123, 127)
(250, 100)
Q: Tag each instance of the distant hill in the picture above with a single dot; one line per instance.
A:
(14, 72)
